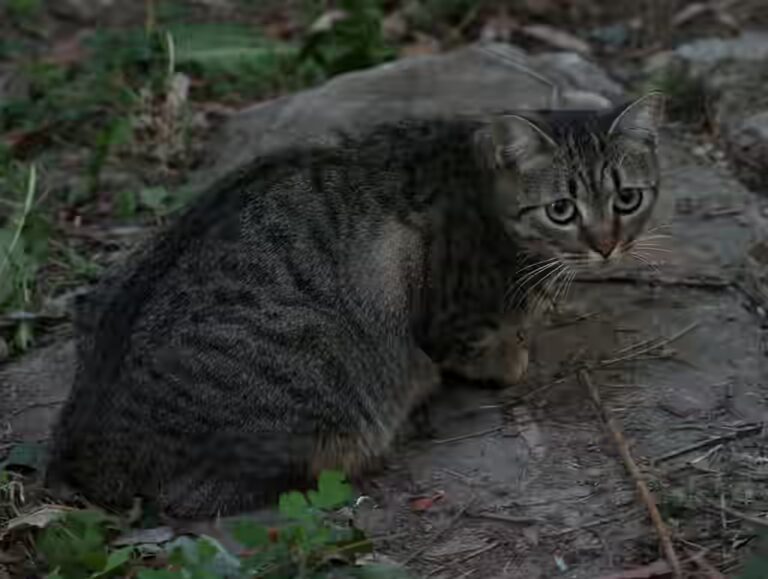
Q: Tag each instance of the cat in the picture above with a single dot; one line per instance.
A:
(295, 314)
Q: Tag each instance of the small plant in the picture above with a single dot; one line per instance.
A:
(312, 544)
(23, 246)
(350, 42)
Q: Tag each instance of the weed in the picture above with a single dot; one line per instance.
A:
(352, 42)
(311, 545)
(21, 12)
(23, 248)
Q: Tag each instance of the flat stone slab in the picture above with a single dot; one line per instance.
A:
(533, 486)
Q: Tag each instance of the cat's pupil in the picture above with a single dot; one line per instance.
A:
(561, 211)
(628, 200)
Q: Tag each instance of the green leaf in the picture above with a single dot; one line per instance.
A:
(154, 198)
(159, 574)
(127, 204)
(115, 560)
(294, 506)
(28, 455)
(332, 491)
(250, 534)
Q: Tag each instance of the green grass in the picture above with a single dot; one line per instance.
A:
(109, 101)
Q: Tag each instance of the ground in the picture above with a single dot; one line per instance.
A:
(528, 482)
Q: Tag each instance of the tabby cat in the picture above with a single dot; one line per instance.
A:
(293, 316)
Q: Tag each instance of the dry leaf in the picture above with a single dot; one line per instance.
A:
(499, 28)
(40, 518)
(557, 38)
(424, 44)
(422, 504)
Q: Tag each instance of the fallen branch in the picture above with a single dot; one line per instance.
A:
(508, 518)
(709, 442)
(633, 351)
(470, 435)
(760, 522)
(634, 472)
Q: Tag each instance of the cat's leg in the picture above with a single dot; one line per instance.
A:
(346, 421)
(496, 356)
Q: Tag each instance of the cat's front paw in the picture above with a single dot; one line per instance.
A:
(502, 363)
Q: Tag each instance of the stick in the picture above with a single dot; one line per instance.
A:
(595, 523)
(708, 442)
(419, 552)
(507, 518)
(649, 347)
(634, 472)
(635, 350)
(470, 435)
(738, 514)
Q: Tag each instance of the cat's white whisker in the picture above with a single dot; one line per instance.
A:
(532, 265)
(544, 285)
(642, 259)
(520, 285)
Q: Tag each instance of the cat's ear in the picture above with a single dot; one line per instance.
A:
(519, 141)
(641, 118)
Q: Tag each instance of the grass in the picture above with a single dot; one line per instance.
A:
(121, 100)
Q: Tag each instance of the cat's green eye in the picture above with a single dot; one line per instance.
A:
(628, 200)
(562, 211)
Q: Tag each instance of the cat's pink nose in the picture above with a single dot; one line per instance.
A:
(605, 245)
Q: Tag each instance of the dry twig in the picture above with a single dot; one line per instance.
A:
(470, 435)
(634, 471)
(760, 522)
(746, 431)
(508, 518)
(633, 351)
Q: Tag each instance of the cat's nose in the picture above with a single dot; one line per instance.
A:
(605, 245)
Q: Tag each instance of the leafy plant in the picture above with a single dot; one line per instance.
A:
(21, 12)
(310, 545)
(23, 246)
(76, 546)
(353, 41)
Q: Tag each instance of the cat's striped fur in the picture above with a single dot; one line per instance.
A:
(295, 314)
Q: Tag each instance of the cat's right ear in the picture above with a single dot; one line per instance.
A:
(516, 141)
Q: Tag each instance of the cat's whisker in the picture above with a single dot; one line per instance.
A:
(563, 288)
(532, 265)
(643, 243)
(545, 284)
(520, 285)
(652, 248)
(642, 259)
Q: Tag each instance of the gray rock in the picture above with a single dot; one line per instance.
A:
(470, 81)
(732, 75)
(80, 10)
(748, 145)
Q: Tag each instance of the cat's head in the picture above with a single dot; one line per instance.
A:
(578, 187)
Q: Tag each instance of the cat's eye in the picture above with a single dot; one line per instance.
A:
(628, 200)
(562, 211)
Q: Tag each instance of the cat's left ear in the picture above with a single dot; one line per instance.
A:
(641, 118)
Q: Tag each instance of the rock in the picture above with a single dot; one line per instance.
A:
(729, 76)
(80, 10)
(748, 145)
(474, 80)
